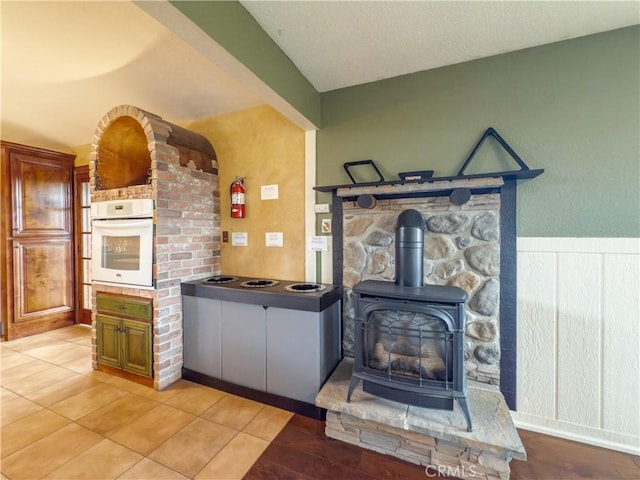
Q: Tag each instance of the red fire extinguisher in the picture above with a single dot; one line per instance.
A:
(237, 198)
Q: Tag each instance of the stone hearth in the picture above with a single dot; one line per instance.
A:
(428, 437)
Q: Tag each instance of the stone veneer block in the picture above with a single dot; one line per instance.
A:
(424, 436)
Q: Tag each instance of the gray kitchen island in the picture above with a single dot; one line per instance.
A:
(273, 341)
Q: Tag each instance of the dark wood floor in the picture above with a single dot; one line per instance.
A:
(303, 452)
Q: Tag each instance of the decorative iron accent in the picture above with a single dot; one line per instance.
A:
(98, 185)
(523, 173)
(491, 132)
(362, 162)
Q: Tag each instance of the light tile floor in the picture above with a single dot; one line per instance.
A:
(62, 420)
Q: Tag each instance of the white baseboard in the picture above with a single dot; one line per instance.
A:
(578, 433)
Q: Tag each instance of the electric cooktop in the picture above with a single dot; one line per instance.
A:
(265, 291)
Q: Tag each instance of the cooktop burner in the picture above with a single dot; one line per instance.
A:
(304, 287)
(220, 279)
(259, 283)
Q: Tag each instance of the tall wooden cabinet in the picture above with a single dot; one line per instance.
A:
(36, 235)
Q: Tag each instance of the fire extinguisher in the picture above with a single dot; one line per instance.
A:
(237, 198)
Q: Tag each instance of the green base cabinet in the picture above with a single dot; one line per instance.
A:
(123, 342)
(136, 351)
(109, 341)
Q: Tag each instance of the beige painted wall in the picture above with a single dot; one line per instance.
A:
(82, 153)
(263, 146)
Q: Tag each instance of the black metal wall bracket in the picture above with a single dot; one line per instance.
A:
(523, 173)
(362, 162)
(491, 132)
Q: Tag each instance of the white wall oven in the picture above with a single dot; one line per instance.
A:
(122, 242)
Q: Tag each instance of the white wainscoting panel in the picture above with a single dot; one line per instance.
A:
(536, 391)
(579, 321)
(579, 339)
(621, 332)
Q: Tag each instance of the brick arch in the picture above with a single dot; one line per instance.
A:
(139, 137)
(155, 128)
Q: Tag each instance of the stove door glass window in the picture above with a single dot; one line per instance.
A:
(409, 346)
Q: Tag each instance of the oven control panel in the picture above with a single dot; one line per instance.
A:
(130, 208)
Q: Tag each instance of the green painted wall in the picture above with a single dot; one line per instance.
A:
(231, 26)
(571, 108)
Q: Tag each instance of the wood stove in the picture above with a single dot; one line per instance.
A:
(409, 337)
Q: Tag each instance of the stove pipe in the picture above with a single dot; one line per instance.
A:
(409, 249)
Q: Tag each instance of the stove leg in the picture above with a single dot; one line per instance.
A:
(352, 386)
(465, 410)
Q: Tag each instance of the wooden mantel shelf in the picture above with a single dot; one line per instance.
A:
(395, 187)
(406, 187)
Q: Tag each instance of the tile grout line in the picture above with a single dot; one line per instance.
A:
(62, 341)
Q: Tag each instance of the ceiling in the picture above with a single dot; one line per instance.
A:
(65, 64)
(339, 44)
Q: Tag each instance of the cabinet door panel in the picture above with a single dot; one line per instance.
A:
(244, 345)
(293, 353)
(136, 353)
(202, 347)
(41, 196)
(109, 340)
(44, 270)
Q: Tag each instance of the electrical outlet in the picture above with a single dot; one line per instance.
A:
(321, 208)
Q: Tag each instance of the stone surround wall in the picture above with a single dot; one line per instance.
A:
(187, 234)
(461, 248)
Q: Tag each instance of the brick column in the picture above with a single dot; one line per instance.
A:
(184, 185)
